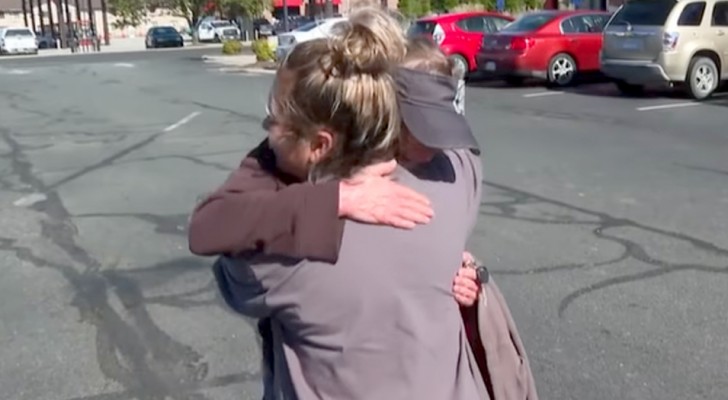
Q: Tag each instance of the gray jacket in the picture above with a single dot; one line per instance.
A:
(381, 323)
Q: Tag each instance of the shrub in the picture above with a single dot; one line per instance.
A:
(263, 50)
(232, 47)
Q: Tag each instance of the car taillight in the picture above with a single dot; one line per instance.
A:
(520, 44)
(438, 34)
(669, 41)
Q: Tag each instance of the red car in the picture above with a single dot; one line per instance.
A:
(460, 35)
(554, 46)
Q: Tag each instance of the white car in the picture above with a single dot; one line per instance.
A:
(217, 31)
(313, 30)
(18, 41)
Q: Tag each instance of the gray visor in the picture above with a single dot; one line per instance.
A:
(431, 107)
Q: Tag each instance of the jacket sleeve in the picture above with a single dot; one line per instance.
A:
(256, 211)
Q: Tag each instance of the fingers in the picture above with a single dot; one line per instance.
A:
(468, 258)
(405, 193)
(464, 296)
(468, 273)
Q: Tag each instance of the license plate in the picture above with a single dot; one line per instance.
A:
(632, 44)
(490, 66)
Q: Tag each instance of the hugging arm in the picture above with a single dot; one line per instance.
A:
(260, 209)
(256, 210)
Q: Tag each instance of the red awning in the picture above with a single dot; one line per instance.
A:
(289, 3)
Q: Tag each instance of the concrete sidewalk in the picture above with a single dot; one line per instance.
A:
(240, 62)
(120, 46)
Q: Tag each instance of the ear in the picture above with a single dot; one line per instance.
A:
(321, 146)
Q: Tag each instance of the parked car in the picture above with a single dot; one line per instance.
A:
(19, 40)
(262, 27)
(678, 43)
(294, 22)
(313, 30)
(163, 36)
(554, 46)
(217, 31)
(46, 40)
(460, 35)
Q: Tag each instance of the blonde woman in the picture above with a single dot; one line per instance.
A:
(381, 322)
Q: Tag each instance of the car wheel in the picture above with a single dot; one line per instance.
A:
(460, 65)
(629, 89)
(514, 80)
(216, 39)
(562, 70)
(703, 78)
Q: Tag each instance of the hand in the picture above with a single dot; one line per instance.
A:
(465, 286)
(372, 197)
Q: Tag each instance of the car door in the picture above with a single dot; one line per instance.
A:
(583, 40)
(471, 36)
(719, 30)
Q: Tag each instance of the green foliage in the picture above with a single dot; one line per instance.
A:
(128, 12)
(250, 8)
(263, 50)
(414, 8)
(232, 47)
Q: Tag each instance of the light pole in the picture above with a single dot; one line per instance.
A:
(329, 9)
(285, 15)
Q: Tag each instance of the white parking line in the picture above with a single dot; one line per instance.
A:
(124, 65)
(541, 94)
(183, 121)
(667, 106)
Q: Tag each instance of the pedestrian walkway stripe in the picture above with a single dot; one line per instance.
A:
(667, 106)
(541, 94)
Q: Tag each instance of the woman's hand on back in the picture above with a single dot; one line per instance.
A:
(372, 197)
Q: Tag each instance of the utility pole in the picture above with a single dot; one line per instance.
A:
(105, 22)
(285, 15)
(25, 15)
(329, 9)
(51, 24)
(62, 27)
(32, 15)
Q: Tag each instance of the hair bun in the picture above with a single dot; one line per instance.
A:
(369, 42)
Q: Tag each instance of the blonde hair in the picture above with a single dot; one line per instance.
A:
(343, 84)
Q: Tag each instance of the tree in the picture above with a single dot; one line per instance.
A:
(128, 12)
(248, 8)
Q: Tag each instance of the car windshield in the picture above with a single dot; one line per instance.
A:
(165, 31)
(221, 24)
(309, 26)
(644, 12)
(421, 28)
(18, 33)
(529, 23)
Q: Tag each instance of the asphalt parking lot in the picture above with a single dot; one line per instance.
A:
(604, 220)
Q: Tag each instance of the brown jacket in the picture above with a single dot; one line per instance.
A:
(497, 347)
(258, 208)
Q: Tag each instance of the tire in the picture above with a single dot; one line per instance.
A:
(562, 70)
(702, 79)
(629, 89)
(460, 63)
(514, 80)
(216, 39)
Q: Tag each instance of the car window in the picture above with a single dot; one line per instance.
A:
(644, 12)
(720, 14)
(165, 31)
(499, 23)
(221, 24)
(421, 28)
(529, 22)
(692, 14)
(309, 26)
(18, 33)
(472, 24)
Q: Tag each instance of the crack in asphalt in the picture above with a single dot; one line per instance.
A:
(134, 351)
(602, 223)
